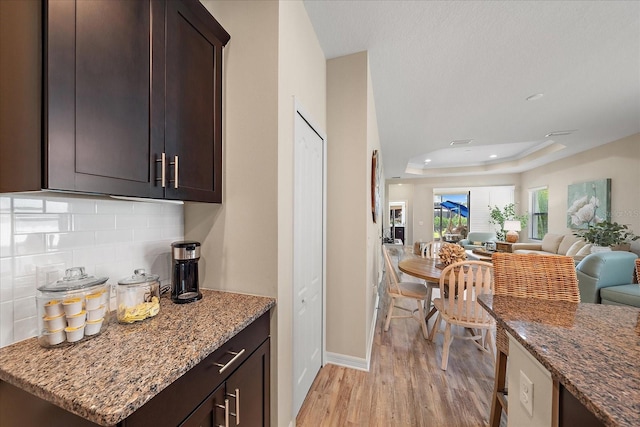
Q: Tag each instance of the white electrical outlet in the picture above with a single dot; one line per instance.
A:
(526, 393)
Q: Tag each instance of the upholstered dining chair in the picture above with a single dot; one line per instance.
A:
(546, 277)
(460, 284)
(403, 290)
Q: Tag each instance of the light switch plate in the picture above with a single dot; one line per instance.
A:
(526, 393)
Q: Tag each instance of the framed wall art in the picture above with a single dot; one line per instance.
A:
(375, 186)
(588, 203)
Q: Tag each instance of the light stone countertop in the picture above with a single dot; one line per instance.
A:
(106, 378)
(593, 350)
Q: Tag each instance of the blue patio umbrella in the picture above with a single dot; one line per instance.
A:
(457, 208)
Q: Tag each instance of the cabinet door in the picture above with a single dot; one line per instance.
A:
(194, 102)
(211, 413)
(250, 386)
(101, 96)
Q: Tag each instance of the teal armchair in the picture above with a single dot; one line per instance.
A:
(603, 271)
(475, 239)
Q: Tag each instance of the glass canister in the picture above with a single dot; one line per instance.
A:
(72, 309)
(138, 297)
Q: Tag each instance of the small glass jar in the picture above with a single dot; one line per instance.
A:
(138, 297)
(62, 308)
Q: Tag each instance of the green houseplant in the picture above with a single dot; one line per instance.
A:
(607, 234)
(498, 216)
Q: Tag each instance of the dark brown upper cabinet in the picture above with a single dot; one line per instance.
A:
(131, 100)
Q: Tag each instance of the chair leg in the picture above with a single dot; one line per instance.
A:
(435, 328)
(420, 319)
(500, 378)
(428, 298)
(389, 313)
(445, 348)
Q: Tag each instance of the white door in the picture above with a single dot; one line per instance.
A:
(307, 258)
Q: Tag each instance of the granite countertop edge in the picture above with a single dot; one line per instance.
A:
(602, 413)
(219, 316)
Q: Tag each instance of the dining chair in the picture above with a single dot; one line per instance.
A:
(546, 277)
(431, 250)
(398, 290)
(637, 270)
(460, 285)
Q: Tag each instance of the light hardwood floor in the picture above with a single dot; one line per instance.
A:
(405, 385)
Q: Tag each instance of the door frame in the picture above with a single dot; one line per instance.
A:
(300, 110)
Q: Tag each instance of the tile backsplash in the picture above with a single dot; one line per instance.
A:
(52, 231)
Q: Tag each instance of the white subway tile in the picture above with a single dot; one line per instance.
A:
(173, 233)
(6, 270)
(25, 204)
(28, 244)
(5, 235)
(5, 204)
(107, 237)
(147, 208)
(44, 223)
(6, 323)
(114, 207)
(26, 265)
(74, 240)
(25, 328)
(24, 287)
(131, 221)
(89, 257)
(84, 222)
(24, 308)
(70, 205)
(147, 234)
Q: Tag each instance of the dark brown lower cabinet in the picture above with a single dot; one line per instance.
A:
(236, 376)
(243, 400)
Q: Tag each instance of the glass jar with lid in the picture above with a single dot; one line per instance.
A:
(72, 309)
(138, 297)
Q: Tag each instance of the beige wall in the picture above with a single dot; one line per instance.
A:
(273, 55)
(618, 160)
(351, 234)
(374, 230)
(302, 74)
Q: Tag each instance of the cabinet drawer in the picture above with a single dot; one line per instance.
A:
(173, 404)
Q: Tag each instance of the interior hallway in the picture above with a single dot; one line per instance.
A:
(405, 385)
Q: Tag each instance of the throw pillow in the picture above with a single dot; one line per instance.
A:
(585, 250)
(567, 241)
(550, 242)
(477, 243)
(573, 250)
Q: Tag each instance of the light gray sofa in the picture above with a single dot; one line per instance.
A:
(607, 278)
(556, 244)
(475, 239)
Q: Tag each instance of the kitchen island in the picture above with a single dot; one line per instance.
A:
(592, 352)
(108, 378)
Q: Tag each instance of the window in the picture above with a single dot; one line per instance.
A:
(539, 208)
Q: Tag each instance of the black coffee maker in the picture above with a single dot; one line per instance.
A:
(185, 272)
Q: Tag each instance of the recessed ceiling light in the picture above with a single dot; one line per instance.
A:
(560, 133)
(427, 160)
(493, 156)
(535, 96)
(461, 142)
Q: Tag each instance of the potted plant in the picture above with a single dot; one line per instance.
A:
(498, 217)
(606, 234)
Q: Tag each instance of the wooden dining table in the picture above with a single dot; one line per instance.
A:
(422, 268)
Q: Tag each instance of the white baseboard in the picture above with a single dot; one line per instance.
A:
(357, 362)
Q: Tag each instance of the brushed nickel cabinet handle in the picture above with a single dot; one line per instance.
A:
(237, 398)
(226, 412)
(237, 406)
(175, 173)
(162, 161)
(230, 362)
